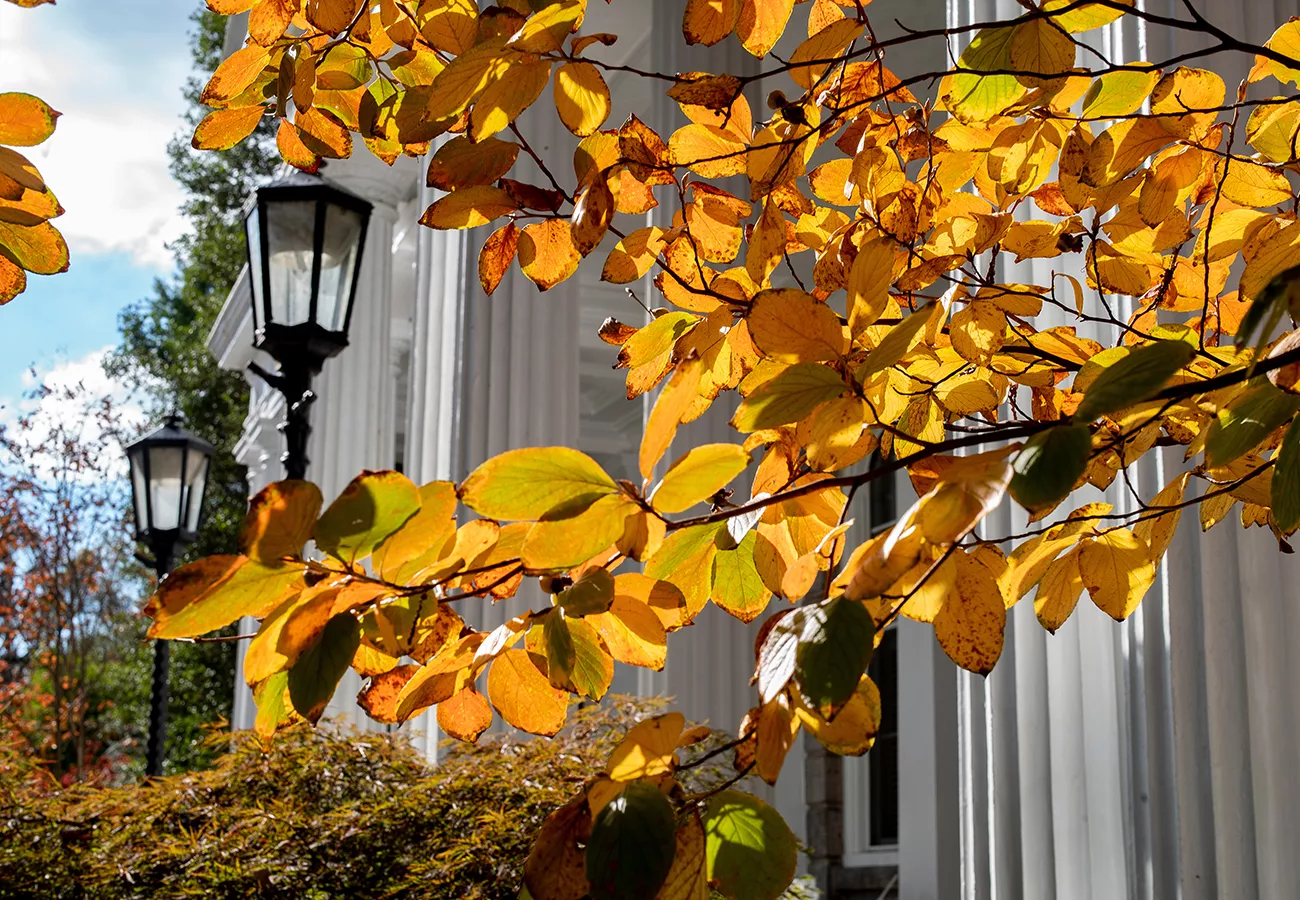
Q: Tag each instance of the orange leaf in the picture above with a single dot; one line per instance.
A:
(761, 23)
(461, 162)
(496, 256)
(790, 326)
(293, 150)
(523, 695)
(332, 16)
(323, 134)
(222, 129)
(280, 520)
(236, 74)
(709, 22)
(13, 281)
(469, 207)
(25, 120)
(465, 715)
(379, 698)
(591, 215)
(270, 19)
(547, 253)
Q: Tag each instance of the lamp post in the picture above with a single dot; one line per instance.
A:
(169, 474)
(305, 239)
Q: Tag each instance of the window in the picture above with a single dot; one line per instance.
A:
(871, 781)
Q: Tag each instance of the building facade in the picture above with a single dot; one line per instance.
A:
(1152, 759)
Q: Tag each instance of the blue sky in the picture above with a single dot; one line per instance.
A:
(114, 68)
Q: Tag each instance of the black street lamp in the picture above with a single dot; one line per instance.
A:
(169, 473)
(305, 239)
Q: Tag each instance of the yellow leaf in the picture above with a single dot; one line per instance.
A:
(504, 99)
(633, 256)
(648, 749)
(828, 43)
(569, 538)
(633, 632)
(673, 403)
(581, 97)
(1059, 590)
(469, 207)
(1157, 531)
(13, 280)
(293, 150)
(1286, 41)
(523, 696)
(869, 280)
(697, 475)
(761, 24)
(707, 150)
(1085, 16)
(1118, 93)
(686, 559)
(767, 243)
(971, 624)
(1250, 184)
(663, 597)
(449, 25)
(464, 79)
(835, 435)
(897, 343)
(688, 877)
(222, 129)
(968, 490)
(279, 521)
(331, 16)
(288, 631)
(461, 162)
(789, 325)
(709, 22)
(1038, 46)
(529, 483)
(214, 591)
(854, 728)
(788, 397)
(425, 533)
(25, 121)
(545, 30)
(39, 249)
(1117, 570)
(777, 729)
(323, 133)
(547, 253)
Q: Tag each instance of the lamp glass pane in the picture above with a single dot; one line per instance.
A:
(165, 486)
(337, 266)
(139, 490)
(196, 478)
(290, 243)
(253, 234)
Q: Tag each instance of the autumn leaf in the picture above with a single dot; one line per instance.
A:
(581, 97)
(523, 696)
(529, 483)
(371, 508)
(25, 121)
(279, 521)
(547, 252)
(697, 475)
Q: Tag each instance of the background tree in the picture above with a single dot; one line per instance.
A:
(873, 310)
(164, 349)
(63, 607)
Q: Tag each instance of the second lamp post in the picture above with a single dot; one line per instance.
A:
(305, 240)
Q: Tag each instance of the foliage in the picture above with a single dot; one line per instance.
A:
(320, 814)
(873, 311)
(164, 349)
(62, 608)
(28, 242)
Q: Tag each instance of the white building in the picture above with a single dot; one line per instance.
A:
(1154, 759)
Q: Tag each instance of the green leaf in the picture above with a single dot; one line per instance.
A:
(317, 672)
(834, 650)
(697, 475)
(1048, 466)
(1134, 378)
(751, 852)
(790, 396)
(632, 844)
(737, 587)
(589, 595)
(1286, 481)
(593, 667)
(1251, 416)
(372, 507)
(560, 655)
(976, 97)
(529, 483)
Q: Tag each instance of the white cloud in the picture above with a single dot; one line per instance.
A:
(70, 385)
(107, 160)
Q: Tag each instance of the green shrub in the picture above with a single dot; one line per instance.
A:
(321, 814)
